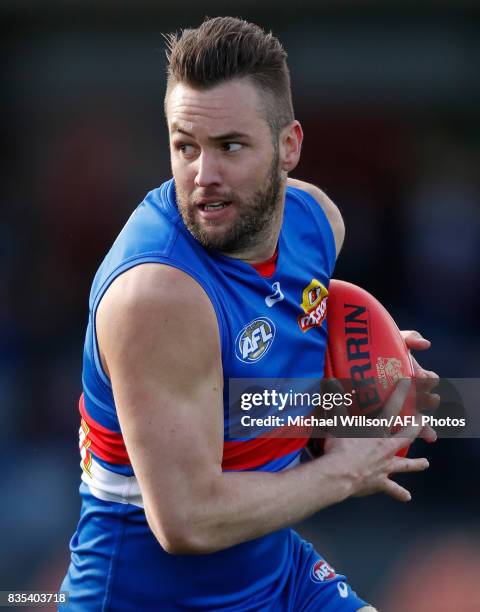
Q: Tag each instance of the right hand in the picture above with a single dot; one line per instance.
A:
(372, 461)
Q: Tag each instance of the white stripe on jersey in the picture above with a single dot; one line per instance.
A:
(110, 486)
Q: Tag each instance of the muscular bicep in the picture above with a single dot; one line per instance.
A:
(158, 334)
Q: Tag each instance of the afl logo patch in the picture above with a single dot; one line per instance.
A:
(254, 340)
(321, 571)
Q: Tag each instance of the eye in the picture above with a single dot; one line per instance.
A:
(231, 147)
(187, 150)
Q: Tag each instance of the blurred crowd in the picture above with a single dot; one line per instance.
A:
(83, 119)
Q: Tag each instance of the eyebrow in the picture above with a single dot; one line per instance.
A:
(220, 137)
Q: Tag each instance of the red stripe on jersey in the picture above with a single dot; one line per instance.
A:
(251, 454)
(241, 455)
(105, 444)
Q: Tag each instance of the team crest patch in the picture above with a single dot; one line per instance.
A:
(254, 340)
(321, 571)
(314, 305)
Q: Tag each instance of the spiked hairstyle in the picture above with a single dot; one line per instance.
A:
(225, 48)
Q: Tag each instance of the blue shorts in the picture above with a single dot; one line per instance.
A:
(117, 565)
(314, 586)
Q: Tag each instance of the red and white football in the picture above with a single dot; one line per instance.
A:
(365, 351)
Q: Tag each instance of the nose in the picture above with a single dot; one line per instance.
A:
(208, 170)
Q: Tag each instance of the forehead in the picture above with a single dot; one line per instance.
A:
(233, 106)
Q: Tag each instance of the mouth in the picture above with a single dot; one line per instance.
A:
(214, 210)
(212, 206)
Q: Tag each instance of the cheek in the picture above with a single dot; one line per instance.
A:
(182, 172)
(252, 179)
(247, 173)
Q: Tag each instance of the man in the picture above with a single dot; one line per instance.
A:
(176, 514)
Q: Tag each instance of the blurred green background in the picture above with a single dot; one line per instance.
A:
(388, 94)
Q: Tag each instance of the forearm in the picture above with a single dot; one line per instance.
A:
(240, 506)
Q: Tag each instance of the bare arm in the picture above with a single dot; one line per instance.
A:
(329, 208)
(159, 339)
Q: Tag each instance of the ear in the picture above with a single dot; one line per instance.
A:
(291, 138)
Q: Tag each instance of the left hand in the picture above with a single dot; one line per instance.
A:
(426, 380)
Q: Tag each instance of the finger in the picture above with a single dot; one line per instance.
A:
(396, 491)
(414, 340)
(417, 368)
(424, 379)
(427, 402)
(404, 437)
(335, 385)
(403, 464)
(425, 385)
(430, 374)
(331, 385)
(398, 397)
(421, 372)
(428, 434)
(431, 401)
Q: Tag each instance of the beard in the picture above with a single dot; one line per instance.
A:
(254, 217)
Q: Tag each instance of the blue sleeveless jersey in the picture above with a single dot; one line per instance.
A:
(269, 328)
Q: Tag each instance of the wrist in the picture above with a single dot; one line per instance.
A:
(340, 474)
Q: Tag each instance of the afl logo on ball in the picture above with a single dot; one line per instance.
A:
(254, 340)
(321, 571)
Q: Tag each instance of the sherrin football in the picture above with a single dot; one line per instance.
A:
(365, 352)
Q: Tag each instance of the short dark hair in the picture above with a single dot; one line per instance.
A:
(225, 48)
